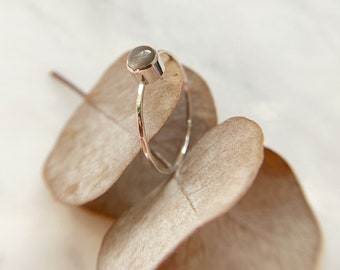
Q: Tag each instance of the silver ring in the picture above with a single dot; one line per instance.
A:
(147, 67)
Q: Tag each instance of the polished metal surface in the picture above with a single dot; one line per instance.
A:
(146, 65)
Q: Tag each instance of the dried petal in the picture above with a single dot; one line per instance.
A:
(215, 174)
(100, 140)
(272, 227)
(139, 178)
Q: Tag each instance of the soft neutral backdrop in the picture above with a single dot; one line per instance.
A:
(276, 62)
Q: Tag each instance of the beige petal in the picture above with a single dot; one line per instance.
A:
(101, 139)
(272, 227)
(216, 173)
(140, 178)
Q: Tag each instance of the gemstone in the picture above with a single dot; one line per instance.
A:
(141, 58)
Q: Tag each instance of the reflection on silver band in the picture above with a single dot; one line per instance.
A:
(146, 65)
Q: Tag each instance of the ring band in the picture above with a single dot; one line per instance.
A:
(147, 67)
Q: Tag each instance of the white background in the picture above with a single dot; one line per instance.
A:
(274, 61)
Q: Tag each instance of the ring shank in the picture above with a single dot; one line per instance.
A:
(163, 166)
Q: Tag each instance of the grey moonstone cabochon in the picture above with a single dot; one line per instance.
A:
(141, 57)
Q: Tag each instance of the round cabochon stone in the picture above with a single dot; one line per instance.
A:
(141, 57)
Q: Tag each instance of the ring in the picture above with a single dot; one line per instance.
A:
(147, 67)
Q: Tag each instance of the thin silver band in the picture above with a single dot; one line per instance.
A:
(163, 166)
